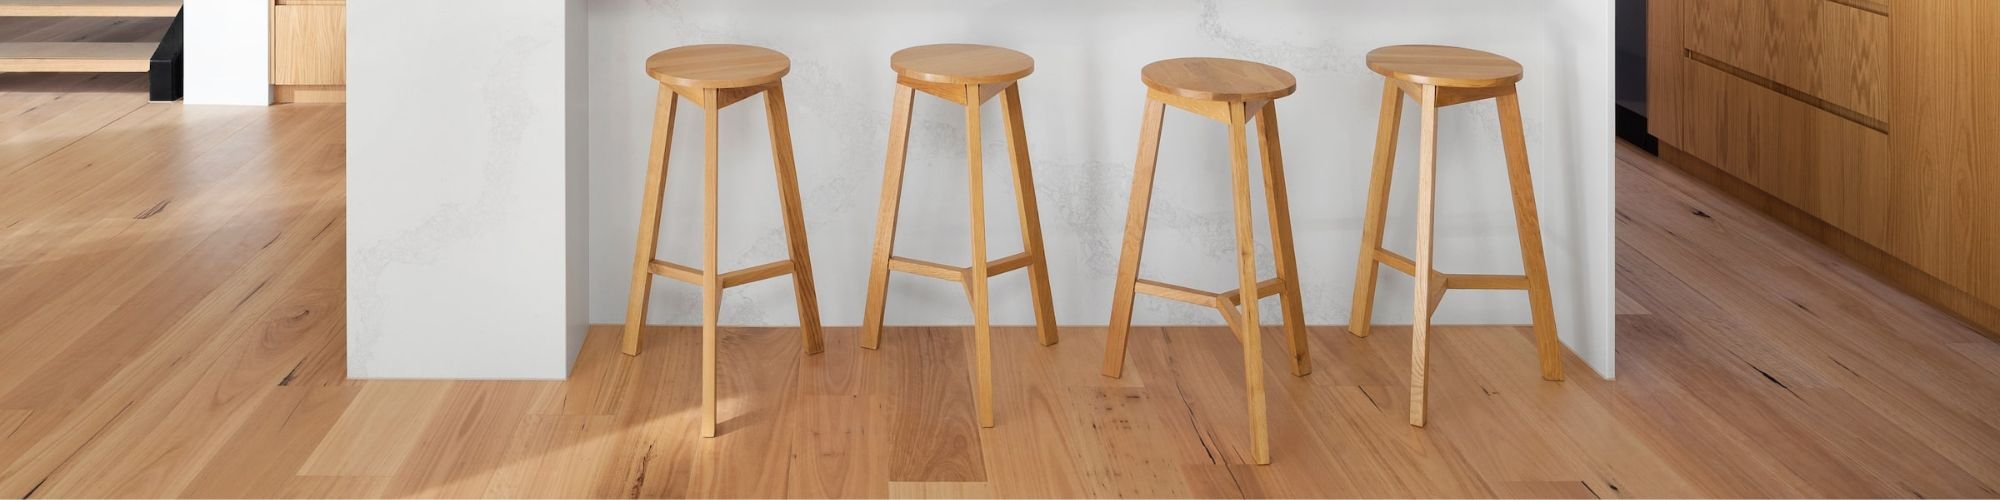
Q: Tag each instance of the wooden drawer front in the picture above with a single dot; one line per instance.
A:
(1947, 95)
(1829, 166)
(309, 44)
(1824, 48)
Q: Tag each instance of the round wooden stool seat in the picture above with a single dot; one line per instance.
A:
(1444, 66)
(1217, 79)
(718, 66)
(961, 64)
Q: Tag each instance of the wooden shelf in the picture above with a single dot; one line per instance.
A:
(90, 8)
(76, 57)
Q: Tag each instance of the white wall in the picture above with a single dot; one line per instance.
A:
(465, 171)
(1083, 109)
(228, 44)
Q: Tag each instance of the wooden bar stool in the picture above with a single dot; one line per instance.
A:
(1436, 77)
(1233, 92)
(714, 77)
(967, 75)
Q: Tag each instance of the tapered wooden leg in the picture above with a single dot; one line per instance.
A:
(795, 219)
(1031, 218)
(1529, 225)
(885, 222)
(1276, 197)
(1420, 326)
(711, 282)
(649, 219)
(1135, 239)
(1386, 128)
(1246, 270)
(982, 334)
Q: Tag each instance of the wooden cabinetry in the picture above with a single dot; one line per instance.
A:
(309, 50)
(1873, 129)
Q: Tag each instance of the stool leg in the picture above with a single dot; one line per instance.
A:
(1281, 237)
(1529, 225)
(795, 219)
(1420, 326)
(885, 222)
(1386, 129)
(711, 282)
(1031, 218)
(1246, 270)
(1135, 239)
(982, 334)
(649, 219)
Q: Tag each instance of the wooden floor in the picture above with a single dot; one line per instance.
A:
(171, 307)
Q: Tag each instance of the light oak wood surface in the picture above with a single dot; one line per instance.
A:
(90, 8)
(1217, 79)
(718, 66)
(711, 61)
(967, 75)
(309, 44)
(1444, 66)
(1407, 73)
(77, 57)
(961, 63)
(1177, 82)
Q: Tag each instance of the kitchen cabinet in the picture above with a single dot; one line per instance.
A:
(1870, 126)
(309, 50)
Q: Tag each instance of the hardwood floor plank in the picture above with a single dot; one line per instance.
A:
(11, 420)
(553, 455)
(759, 372)
(170, 366)
(843, 447)
(458, 453)
(170, 435)
(265, 454)
(947, 489)
(377, 433)
(927, 379)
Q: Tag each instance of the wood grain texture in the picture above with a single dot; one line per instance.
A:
(717, 66)
(76, 57)
(976, 285)
(1944, 215)
(90, 8)
(1217, 79)
(1133, 244)
(309, 45)
(1277, 198)
(1528, 227)
(1376, 212)
(1665, 54)
(961, 64)
(1824, 49)
(1426, 293)
(1035, 257)
(1795, 101)
(799, 262)
(648, 245)
(1246, 273)
(1442, 66)
(886, 214)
